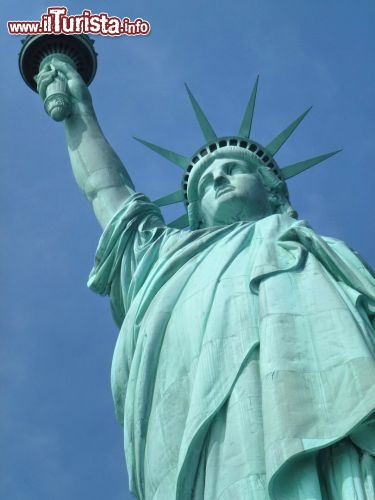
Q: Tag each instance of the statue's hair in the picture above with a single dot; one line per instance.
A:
(277, 192)
(276, 187)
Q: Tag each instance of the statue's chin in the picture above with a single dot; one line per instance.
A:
(227, 220)
(230, 207)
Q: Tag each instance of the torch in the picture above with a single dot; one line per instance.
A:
(37, 52)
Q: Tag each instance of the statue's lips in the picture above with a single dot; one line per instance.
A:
(223, 190)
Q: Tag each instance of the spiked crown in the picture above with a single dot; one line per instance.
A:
(240, 142)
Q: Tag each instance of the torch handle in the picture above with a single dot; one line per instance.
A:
(58, 102)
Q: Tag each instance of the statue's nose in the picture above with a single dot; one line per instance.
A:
(220, 179)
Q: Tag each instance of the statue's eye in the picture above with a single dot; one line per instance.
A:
(236, 168)
(203, 186)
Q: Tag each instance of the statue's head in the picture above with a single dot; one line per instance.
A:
(232, 179)
(231, 185)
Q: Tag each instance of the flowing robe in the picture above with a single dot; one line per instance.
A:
(242, 348)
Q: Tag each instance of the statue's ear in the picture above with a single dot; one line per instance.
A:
(201, 221)
(276, 201)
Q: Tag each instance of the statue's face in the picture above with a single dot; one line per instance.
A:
(230, 190)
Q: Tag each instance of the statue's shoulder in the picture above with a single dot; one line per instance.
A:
(349, 254)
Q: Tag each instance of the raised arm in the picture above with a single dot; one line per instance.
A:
(98, 170)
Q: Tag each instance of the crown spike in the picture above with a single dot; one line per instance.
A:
(295, 169)
(177, 159)
(247, 120)
(274, 146)
(204, 124)
(181, 222)
(169, 199)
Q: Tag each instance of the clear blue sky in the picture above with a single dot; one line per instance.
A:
(58, 436)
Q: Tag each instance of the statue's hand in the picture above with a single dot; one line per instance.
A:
(59, 75)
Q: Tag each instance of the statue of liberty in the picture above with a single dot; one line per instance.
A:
(244, 366)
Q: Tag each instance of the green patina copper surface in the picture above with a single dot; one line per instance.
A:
(244, 367)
